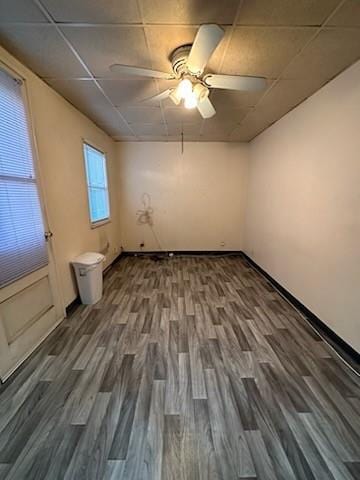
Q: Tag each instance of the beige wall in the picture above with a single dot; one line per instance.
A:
(303, 211)
(59, 129)
(198, 197)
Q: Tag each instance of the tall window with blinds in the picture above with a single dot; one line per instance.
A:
(22, 243)
(96, 176)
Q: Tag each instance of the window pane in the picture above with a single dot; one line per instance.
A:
(95, 167)
(95, 163)
(15, 148)
(22, 244)
(98, 204)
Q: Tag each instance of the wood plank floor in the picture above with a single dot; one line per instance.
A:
(189, 368)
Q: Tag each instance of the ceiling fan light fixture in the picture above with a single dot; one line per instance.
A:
(188, 65)
(184, 88)
(190, 100)
(201, 92)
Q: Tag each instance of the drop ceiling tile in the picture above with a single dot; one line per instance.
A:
(41, 49)
(149, 129)
(93, 11)
(189, 11)
(244, 135)
(20, 11)
(263, 51)
(327, 55)
(125, 138)
(225, 99)
(348, 15)
(129, 92)
(285, 12)
(101, 46)
(175, 129)
(181, 115)
(156, 138)
(85, 96)
(164, 39)
(165, 84)
(283, 97)
(111, 122)
(214, 138)
(229, 107)
(253, 124)
(81, 93)
(232, 115)
(113, 125)
(142, 114)
(218, 127)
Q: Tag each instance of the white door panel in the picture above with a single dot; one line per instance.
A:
(29, 311)
(30, 307)
(19, 312)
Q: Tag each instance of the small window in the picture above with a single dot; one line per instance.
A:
(95, 164)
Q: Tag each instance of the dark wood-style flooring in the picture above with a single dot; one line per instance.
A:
(189, 368)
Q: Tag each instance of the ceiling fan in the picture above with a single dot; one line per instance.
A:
(188, 64)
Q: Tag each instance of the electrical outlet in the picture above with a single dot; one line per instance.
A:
(142, 244)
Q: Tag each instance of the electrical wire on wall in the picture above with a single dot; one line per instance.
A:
(145, 216)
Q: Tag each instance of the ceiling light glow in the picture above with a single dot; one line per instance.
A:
(190, 100)
(184, 88)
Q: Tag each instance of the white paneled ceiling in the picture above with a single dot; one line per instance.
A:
(298, 45)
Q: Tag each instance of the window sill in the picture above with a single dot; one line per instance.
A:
(100, 223)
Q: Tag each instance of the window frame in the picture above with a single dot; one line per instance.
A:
(103, 221)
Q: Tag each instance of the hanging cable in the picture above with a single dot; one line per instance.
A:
(145, 216)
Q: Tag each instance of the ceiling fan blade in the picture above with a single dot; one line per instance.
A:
(158, 97)
(206, 108)
(207, 39)
(138, 71)
(235, 82)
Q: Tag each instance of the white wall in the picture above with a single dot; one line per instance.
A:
(198, 197)
(303, 211)
(59, 130)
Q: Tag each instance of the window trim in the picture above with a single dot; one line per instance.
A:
(103, 221)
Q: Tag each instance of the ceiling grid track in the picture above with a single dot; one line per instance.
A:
(273, 84)
(232, 28)
(152, 64)
(297, 49)
(82, 62)
(175, 25)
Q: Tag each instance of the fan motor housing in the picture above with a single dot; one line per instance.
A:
(179, 58)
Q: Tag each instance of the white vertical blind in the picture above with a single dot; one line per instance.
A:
(22, 243)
